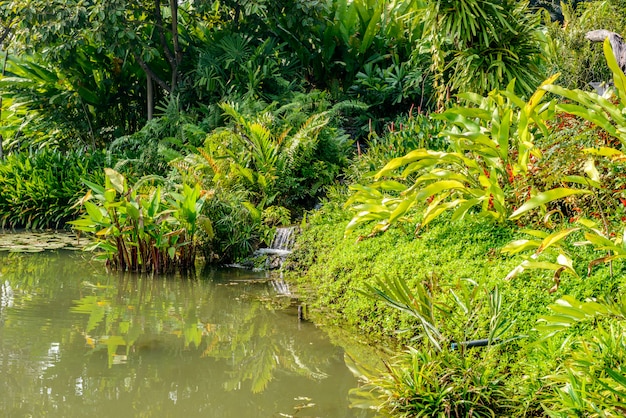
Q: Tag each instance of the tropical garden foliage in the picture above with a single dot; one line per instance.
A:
(171, 129)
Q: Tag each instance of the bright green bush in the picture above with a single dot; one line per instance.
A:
(38, 190)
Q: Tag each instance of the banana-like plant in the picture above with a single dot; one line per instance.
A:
(491, 142)
(143, 230)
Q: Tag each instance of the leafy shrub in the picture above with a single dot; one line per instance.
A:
(161, 140)
(425, 383)
(491, 143)
(479, 46)
(241, 67)
(591, 379)
(39, 189)
(390, 85)
(284, 156)
(84, 100)
(235, 233)
(599, 186)
(577, 59)
(399, 137)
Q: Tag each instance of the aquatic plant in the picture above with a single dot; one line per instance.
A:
(143, 228)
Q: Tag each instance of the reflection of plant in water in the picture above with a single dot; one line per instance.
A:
(38, 276)
(143, 314)
(249, 342)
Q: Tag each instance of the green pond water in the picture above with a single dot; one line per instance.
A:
(76, 341)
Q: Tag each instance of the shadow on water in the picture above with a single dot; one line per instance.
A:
(76, 342)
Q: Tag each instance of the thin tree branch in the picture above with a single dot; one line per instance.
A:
(5, 33)
(151, 73)
(177, 51)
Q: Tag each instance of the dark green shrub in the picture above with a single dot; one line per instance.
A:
(39, 190)
(162, 139)
(237, 66)
(389, 86)
(407, 132)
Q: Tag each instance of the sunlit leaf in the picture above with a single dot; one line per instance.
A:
(544, 198)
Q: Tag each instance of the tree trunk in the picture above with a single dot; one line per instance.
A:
(149, 96)
(617, 44)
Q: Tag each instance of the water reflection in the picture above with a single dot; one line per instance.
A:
(75, 342)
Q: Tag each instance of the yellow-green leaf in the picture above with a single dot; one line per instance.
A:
(545, 197)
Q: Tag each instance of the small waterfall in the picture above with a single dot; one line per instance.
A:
(285, 238)
(282, 244)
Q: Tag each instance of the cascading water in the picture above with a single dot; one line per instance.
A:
(282, 244)
(285, 238)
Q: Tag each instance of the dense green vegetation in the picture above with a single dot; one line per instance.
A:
(455, 176)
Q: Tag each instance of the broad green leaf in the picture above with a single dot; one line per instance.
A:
(542, 265)
(372, 208)
(601, 242)
(619, 78)
(391, 185)
(372, 27)
(439, 187)
(412, 156)
(605, 152)
(402, 208)
(132, 210)
(94, 212)
(546, 197)
(535, 233)
(535, 99)
(99, 190)
(585, 181)
(116, 179)
(555, 238)
(109, 195)
(437, 209)
(519, 245)
(463, 207)
(591, 170)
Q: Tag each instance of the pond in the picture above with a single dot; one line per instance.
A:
(76, 341)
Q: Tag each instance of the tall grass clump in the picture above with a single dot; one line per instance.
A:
(38, 189)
